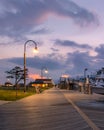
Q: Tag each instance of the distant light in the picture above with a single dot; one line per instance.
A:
(46, 71)
(65, 76)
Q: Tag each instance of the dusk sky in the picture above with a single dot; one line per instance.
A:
(69, 35)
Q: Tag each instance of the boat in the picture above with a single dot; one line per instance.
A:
(99, 79)
(98, 83)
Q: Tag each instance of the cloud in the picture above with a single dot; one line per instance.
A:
(78, 61)
(69, 43)
(100, 51)
(80, 16)
(54, 49)
(18, 17)
(54, 65)
(41, 31)
(51, 62)
(73, 64)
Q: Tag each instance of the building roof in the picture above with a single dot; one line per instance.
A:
(42, 81)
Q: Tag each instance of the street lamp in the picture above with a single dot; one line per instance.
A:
(45, 70)
(25, 60)
(85, 77)
(85, 74)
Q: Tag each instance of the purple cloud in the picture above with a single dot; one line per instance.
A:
(100, 51)
(19, 16)
(69, 43)
(73, 64)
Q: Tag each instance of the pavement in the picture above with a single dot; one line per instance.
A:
(54, 109)
(95, 101)
(76, 97)
(89, 106)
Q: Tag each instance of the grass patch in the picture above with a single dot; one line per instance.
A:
(9, 94)
(12, 95)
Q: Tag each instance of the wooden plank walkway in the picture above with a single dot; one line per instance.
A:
(97, 116)
(47, 111)
(89, 107)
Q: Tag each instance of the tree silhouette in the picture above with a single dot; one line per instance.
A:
(17, 73)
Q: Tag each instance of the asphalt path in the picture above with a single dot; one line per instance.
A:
(50, 110)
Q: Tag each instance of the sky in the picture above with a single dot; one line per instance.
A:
(69, 35)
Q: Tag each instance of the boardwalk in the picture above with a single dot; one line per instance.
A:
(91, 106)
(50, 110)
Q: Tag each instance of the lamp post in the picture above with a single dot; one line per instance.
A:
(85, 78)
(25, 60)
(85, 74)
(46, 71)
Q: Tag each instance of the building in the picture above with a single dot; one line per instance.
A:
(8, 84)
(42, 83)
